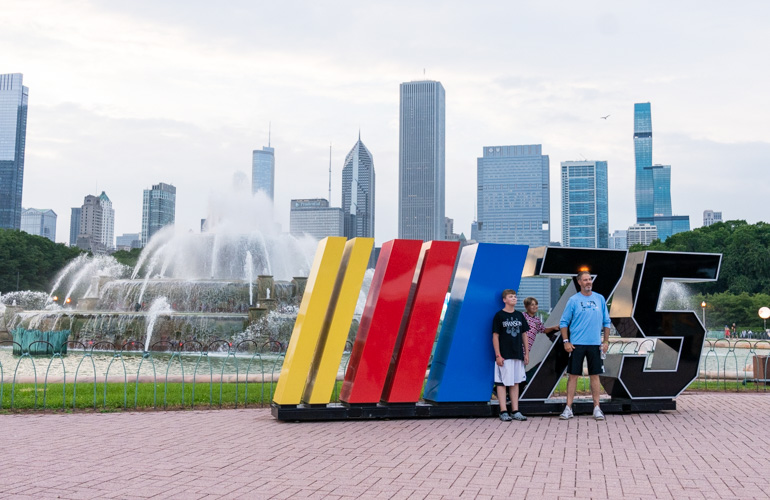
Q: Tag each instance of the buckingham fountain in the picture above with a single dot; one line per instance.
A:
(237, 280)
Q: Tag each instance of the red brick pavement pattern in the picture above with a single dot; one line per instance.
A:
(713, 446)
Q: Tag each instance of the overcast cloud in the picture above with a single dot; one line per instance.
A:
(124, 95)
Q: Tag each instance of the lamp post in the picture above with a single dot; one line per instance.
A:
(764, 313)
(703, 306)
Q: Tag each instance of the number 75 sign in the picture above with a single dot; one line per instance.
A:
(398, 328)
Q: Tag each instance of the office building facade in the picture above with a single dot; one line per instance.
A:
(158, 209)
(39, 222)
(711, 217)
(358, 190)
(316, 218)
(128, 241)
(263, 171)
(97, 224)
(641, 234)
(421, 163)
(13, 138)
(618, 240)
(653, 181)
(513, 204)
(584, 204)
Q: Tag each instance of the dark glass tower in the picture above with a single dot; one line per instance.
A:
(13, 136)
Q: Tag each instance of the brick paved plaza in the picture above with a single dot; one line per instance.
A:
(714, 446)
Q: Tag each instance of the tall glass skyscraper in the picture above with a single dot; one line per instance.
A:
(358, 192)
(421, 144)
(643, 154)
(653, 182)
(584, 205)
(158, 209)
(13, 137)
(513, 204)
(263, 171)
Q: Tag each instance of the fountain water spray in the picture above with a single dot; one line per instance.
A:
(159, 306)
(249, 270)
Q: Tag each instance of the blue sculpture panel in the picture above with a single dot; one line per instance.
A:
(463, 362)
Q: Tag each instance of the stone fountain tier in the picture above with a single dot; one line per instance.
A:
(204, 296)
(121, 327)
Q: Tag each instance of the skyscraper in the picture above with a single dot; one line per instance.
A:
(74, 225)
(97, 224)
(643, 154)
(421, 145)
(39, 222)
(13, 137)
(158, 209)
(584, 204)
(263, 171)
(358, 191)
(653, 182)
(513, 204)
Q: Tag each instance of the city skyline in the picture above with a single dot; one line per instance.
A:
(107, 114)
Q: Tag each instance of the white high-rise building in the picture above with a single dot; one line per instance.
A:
(97, 224)
(710, 217)
(421, 145)
(358, 192)
(641, 234)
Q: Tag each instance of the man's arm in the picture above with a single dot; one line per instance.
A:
(565, 339)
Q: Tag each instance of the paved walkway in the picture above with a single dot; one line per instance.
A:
(713, 446)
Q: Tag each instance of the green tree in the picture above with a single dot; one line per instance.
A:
(29, 262)
(129, 257)
(745, 250)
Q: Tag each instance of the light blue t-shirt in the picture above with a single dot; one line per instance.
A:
(585, 316)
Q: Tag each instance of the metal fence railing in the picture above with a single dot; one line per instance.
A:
(189, 374)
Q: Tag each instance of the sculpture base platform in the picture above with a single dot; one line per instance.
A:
(342, 411)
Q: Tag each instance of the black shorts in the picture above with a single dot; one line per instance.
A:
(590, 352)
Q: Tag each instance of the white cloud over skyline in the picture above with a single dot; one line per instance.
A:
(126, 95)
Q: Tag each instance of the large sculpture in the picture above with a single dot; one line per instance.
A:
(387, 367)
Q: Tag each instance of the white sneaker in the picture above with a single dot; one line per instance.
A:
(566, 414)
(598, 415)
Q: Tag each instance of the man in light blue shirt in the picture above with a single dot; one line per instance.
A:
(584, 321)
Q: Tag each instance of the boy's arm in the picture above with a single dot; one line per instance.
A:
(496, 344)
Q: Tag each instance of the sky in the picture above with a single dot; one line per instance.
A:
(124, 95)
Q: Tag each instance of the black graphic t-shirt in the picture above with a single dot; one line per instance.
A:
(512, 328)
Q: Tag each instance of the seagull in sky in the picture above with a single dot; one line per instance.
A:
(604, 117)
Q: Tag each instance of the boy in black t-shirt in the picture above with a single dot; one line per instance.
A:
(509, 327)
